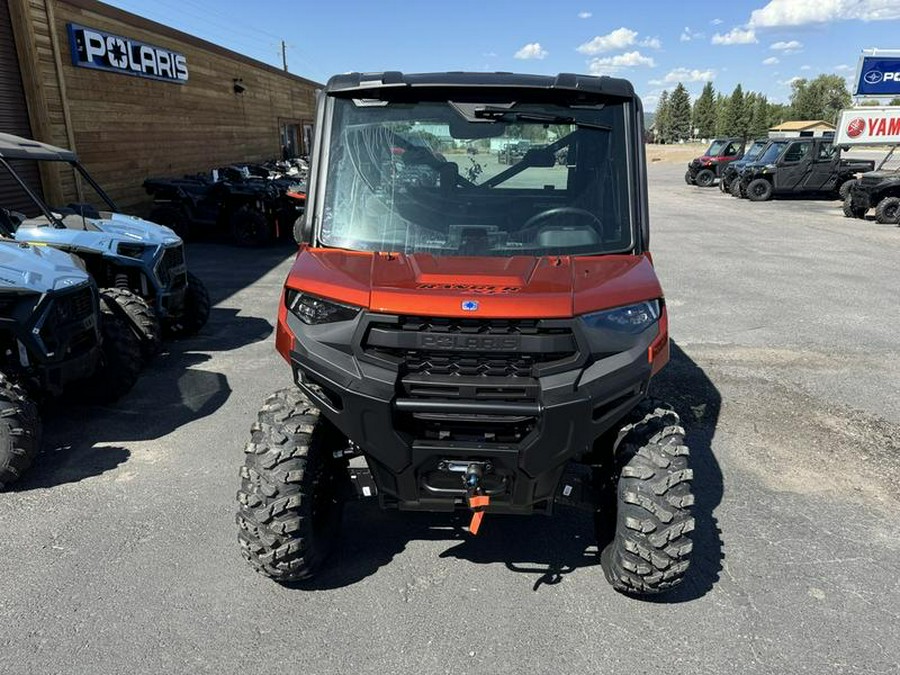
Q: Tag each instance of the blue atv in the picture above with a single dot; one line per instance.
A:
(142, 263)
(56, 329)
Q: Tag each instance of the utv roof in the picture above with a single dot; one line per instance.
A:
(564, 82)
(16, 147)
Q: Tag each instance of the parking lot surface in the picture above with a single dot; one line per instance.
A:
(119, 549)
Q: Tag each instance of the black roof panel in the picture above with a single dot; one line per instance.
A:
(16, 147)
(564, 82)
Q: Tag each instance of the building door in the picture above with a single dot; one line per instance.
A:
(14, 120)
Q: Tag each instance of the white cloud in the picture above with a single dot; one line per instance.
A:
(800, 12)
(843, 67)
(532, 50)
(771, 61)
(684, 75)
(786, 47)
(617, 39)
(585, 15)
(652, 43)
(790, 82)
(805, 67)
(687, 35)
(736, 36)
(611, 64)
(717, 22)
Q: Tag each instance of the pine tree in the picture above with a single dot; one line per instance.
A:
(721, 115)
(704, 118)
(759, 117)
(662, 122)
(737, 121)
(680, 114)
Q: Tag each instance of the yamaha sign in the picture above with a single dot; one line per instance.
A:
(92, 48)
(869, 126)
(878, 75)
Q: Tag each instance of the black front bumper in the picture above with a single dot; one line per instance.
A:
(521, 420)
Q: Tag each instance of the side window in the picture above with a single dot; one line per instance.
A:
(826, 151)
(731, 150)
(797, 151)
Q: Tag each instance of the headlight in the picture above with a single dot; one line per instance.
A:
(312, 310)
(130, 250)
(631, 319)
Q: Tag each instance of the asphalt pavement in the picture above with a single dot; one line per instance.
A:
(118, 550)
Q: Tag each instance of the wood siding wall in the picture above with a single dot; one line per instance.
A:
(126, 129)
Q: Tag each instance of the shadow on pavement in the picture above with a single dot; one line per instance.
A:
(548, 549)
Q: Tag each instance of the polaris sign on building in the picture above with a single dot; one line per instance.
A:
(96, 49)
(878, 74)
(869, 126)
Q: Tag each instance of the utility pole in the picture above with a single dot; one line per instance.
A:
(284, 55)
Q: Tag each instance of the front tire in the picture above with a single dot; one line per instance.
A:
(20, 431)
(196, 308)
(120, 356)
(851, 211)
(705, 178)
(650, 552)
(735, 189)
(289, 509)
(759, 190)
(143, 320)
(887, 212)
(845, 188)
(250, 228)
(687, 178)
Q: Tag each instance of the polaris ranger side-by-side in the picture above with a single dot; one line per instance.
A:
(483, 345)
(704, 170)
(732, 169)
(803, 165)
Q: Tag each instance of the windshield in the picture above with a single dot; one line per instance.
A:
(481, 179)
(716, 148)
(754, 150)
(770, 154)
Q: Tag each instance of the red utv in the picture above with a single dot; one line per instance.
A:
(477, 341)
(705, 169)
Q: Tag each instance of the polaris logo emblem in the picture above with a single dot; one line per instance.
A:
(475, 343)
(469, 305)
(874, 77)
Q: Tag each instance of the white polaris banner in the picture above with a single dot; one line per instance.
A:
(869, 126)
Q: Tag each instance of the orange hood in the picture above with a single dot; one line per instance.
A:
(516, 287)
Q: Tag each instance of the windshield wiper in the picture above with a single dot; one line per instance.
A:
(488, 112)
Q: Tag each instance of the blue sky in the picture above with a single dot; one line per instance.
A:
(760, 44)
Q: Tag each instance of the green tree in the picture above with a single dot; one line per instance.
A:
(721, 115)
(870, 103)
(895, 101)
(737, 118)
(704, 117)
(663, 119)
(759, 117)
(820, 99)
(680, 114)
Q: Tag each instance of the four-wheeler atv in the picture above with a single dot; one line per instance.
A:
(875, 189)
(250, 208)
(141, 259)
(482, 344)
(732, 169)
(704, 170)
(803, 165)
(53, 332)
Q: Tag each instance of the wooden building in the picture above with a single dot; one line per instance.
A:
(137, 99)
(802, 128)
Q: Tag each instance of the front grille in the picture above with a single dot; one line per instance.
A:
(171, 270)
(502, 365)
(68, 327)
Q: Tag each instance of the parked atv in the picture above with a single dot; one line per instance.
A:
(250, 208)
(732, 169)
(703, 171)
(54, 331)
(483, 344)
(119, 251)
(879, 190)
(803, 165)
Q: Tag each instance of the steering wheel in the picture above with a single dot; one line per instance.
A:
(563, 211)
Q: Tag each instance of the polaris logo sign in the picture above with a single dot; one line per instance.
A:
(878, 76)
(869, 126)
(96, 49)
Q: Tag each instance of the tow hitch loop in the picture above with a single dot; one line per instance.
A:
(478, 501)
